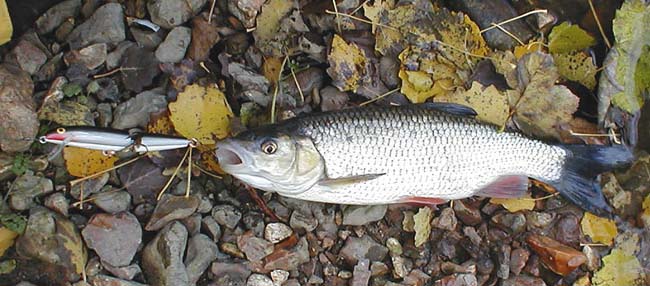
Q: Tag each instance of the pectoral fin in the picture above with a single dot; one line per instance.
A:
(345, 181)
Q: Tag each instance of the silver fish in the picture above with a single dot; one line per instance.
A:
(424, 153)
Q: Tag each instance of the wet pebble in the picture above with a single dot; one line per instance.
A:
(226, 215)
(288, 259)
(361, 274)
(446, 220)
(173, 48)
(171, 13)
(107, 90)
(162, 258)
(513, 222)
(538, 219)
(467, 213)
(279, 276)
(28, 56)
(91, 56)
(115, 238)
(112, 201)
(362, 248)
(114, 58)
(362, 215)
(106, 25)
(303, 220)
(147, 38)
(171, 208)
(26, 188)
(56, 15)
(211, 227)
(135, 111)
(259, 280)
(254, 221)
(518, 259)
(201, 251)
(378, 268)
(503, 260)
(388, 70)
(276, 232)
(58, 203)
(124, 272)
(254, 247)
(567, 230)
(593, 258)
(556, 256)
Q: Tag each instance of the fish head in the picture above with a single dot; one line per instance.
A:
(272, 160)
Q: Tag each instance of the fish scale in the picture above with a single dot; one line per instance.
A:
(421, 153)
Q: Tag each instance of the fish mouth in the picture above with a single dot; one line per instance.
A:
(228, 157)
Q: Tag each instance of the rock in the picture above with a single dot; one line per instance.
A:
(58, 203)
(171, 208)
(124, 272)
(112, 201)
(91, 56)
(135, 112)
(467, 213)
(106, 25)
(503, 260)
(518, 259)
(593, 258)
(279, 276)
(18, 118)
(446, 220)
(388, 70)
(230, 273)
(401, 266)
(26, 188)
(361, 273)
(538, 219)
(558, 257)
(48, 71)
(105, 280)
(567, 230)
(303, 220)
(458, 279)
(394, 247)
(248, 78)
(173, 49)
(226, 215)
(255, 248)
(115, 237)
(246, 11)
(515, 222)
(212, 227)
(162, 258)
(27, 56)
(523, 280)
(51, 238)
(62, 32)
(277, 231)
(201, 251)
(171, 13)
(332, 99)
(192, 223)
(378, 268)
(361, 215)
(146, 38)
(56, 15)
(114, 58)
(259, 280)
(105, 89)
(417, 277)
(362, 248)
(204, 36)
(288, 259)
(254, 221)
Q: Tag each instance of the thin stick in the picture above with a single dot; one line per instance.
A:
(360, 20)
(211, 11)
(359, 8)
(460, 50)
(277, 89)
(593, 244)
(169, 182)
(514, 19)
(189, 172)
(600, 27)
(76, 181)
(204, 171)
(338, 20)
(509, 34)
(110, 73)
(541, 198)
(295, 80)
(592, 134)
(379, 97)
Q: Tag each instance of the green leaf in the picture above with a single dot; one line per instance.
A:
(7, 266)
(20, 164)
(71, 89)
(14, 222)
(566, 38)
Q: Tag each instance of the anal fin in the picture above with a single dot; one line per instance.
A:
(508, 186)
(340, 182)
(423, 201)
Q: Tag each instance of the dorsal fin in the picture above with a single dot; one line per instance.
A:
(451, 108)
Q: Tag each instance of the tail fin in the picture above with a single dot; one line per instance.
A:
(583, 164)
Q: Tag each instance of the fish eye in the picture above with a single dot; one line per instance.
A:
(269, 147)
(60, 130)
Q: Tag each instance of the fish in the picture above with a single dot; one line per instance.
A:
(426, 153)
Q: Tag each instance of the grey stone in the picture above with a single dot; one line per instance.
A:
(114, 58)
(446, 220)
(124, 272)
(246, 11)
(18, 118)
(105, 280)
(362, 248)
(55, 16)
(305, 220)
(254, 247)
(259, 280)
(277, 231)
(175, 45)
(226, 215)
(135, 111)
(361, 215)
(212, 227)
(106, 25)
(58, 203)
(115, 238)
(162, 258)
(361, 273)
(112, 202)
(171, 208)
(91, 56)
(289, 259)
(201, 251)
(26, 188)
(147, 38)
(171, 13)
(27, 56)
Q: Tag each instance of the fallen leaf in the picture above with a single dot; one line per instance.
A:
(600, 229)
(543, 107)
(558, 257)
(520, 51)
(13, 222)
(139, 67)
(422, 225)
(7, 238)
(67, 113)
(204, 36)
(577, 66)
(566, 38)
(271, 69)
(619, 268)
(645, 215)
(347, 64)
(82, 162)
(268, 35)
(417, 86)
(490, 104)
(202, 113)
(515, 204)
(180, 74)
(6, 27)
(159, 123)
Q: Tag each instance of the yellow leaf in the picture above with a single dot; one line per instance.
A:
(271, 69)
(7, 237)
(520, 51)
(347, 64)
(6, 28)
(565, 38)
(490, 104)
(422, 225)
(161, 124)
(645, 216)
(82, 162)
(515, 204)
(599, 229)
(619, 268)
(416, 85)
(202, 113)
(578, 67)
